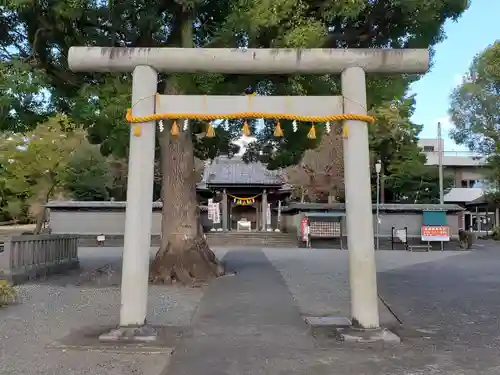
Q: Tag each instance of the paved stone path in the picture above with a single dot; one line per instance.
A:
(246, 324)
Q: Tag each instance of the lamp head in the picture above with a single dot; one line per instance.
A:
(378, 166)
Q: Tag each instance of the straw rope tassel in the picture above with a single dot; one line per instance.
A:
(345, 131)
(312, 132)
(278, 132)
(175, 128)
(246, 129)
(137, 130)
(210, 131)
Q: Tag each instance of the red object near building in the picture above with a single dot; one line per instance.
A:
(304, 229)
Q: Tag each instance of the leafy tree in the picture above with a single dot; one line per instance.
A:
(48, 28)
(319, 175)
(475, 109)
(87, 176)
(475, 104)
(34, 164)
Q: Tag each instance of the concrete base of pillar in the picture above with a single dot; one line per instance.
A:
(328, 321)
(355, 335)
(144, 340)
(130, 334)
(341, 329)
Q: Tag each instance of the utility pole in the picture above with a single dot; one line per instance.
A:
(378, 168)
(440, 162)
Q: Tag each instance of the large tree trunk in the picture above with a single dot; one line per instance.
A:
(184, 255)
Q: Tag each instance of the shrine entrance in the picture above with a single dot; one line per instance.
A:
(148, 107)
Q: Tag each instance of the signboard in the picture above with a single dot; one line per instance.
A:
(401, 234)
(216, 213)
(435, 233)
(210, 209)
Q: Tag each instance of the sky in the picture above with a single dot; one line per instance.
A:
(465, 38)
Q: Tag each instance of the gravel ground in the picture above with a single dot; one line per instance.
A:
(319, 278)
(49, 310)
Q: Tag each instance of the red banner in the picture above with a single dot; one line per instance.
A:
(303, 228)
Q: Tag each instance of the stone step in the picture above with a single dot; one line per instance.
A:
(252, 239)
(236, 239)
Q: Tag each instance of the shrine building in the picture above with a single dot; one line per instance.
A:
(244, 191)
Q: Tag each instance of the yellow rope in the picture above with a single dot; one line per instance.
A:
(254, 115)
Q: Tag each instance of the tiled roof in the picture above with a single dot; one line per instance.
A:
(100, 205)
(234, 171)
(293, 206)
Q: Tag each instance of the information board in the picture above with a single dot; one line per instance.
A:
(435, 233)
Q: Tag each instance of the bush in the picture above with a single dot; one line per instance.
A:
(7, 293)
(496, 233)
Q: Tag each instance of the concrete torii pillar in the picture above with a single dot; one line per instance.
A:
(352, 64)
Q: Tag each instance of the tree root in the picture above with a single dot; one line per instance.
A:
(191, 263)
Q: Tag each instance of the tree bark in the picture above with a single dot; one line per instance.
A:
(184, 255)
(40, 219)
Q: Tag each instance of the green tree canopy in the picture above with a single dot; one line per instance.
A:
(41, 33)
(475, 109)
(33, 165)
(87, 176)
(475, 104)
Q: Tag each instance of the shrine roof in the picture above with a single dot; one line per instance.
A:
(224, 171)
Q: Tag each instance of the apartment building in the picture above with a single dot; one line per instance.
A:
(466, 168)
(469, 175)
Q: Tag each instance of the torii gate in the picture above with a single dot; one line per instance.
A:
(145, 63)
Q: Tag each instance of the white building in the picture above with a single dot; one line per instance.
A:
(469, 176)
(466, 167)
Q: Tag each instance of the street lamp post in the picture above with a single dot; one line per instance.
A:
(378, 168)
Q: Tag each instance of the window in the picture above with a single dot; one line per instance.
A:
(428, 148)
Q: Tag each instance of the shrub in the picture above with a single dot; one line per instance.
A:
(496, 233)
(7, 293)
